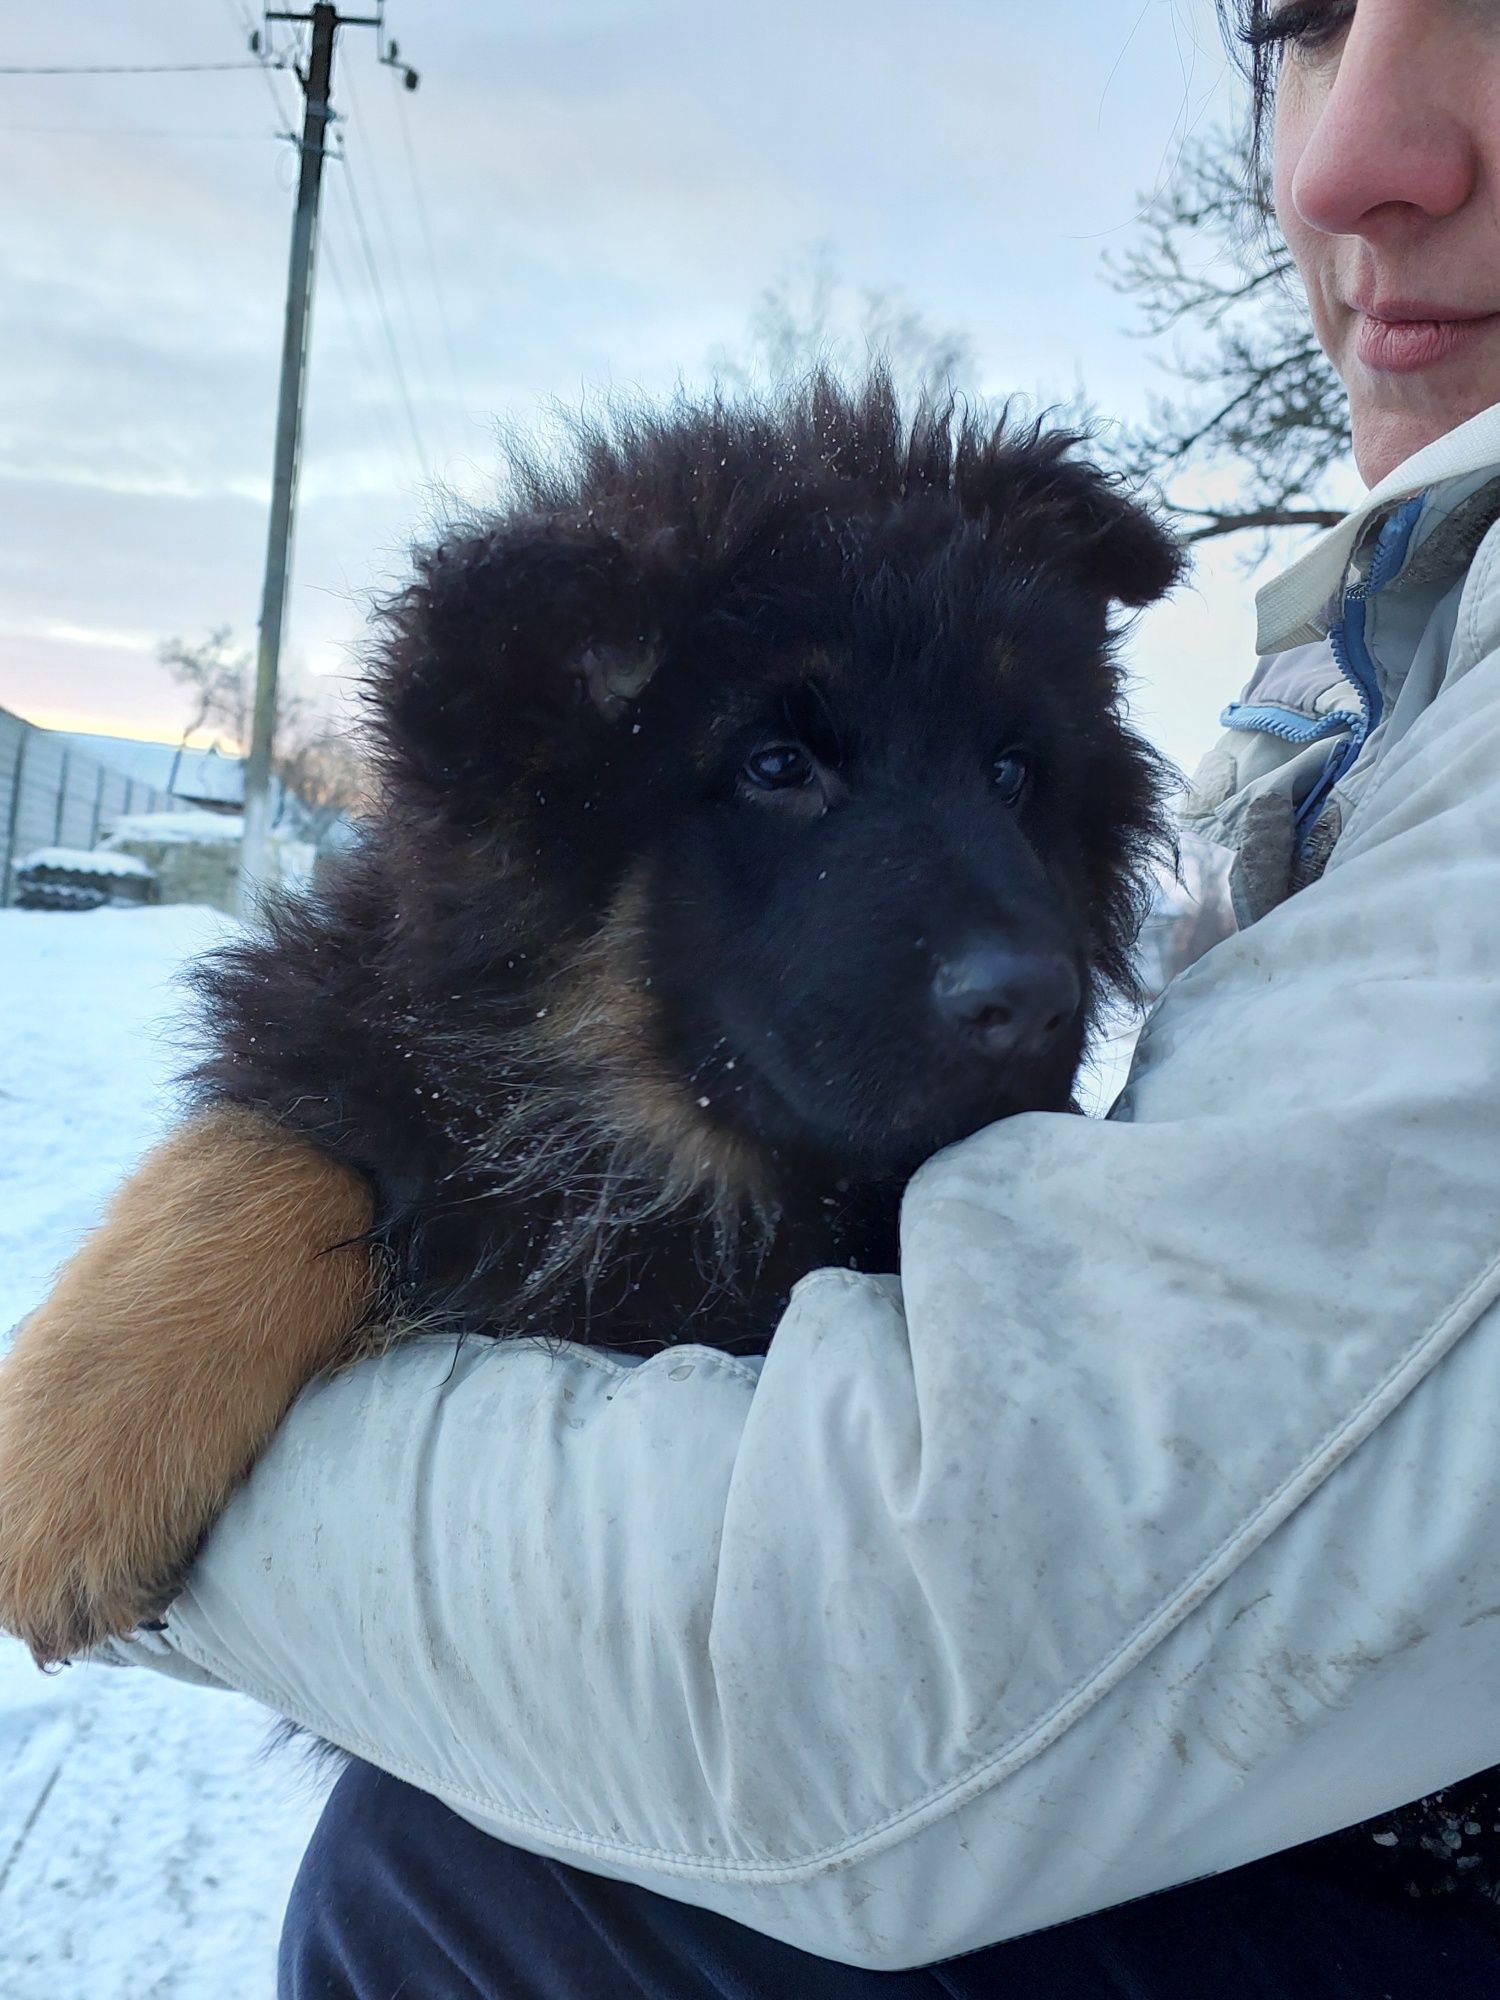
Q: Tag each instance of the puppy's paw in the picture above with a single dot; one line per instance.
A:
(87, 1551)
(50, 1600)
(228, 1272)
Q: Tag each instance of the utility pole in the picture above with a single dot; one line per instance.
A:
(317, 84)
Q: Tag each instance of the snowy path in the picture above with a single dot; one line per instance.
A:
(146, 1844)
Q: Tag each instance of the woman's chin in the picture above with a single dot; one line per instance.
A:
(1391, 426)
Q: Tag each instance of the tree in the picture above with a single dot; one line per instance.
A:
(1263, 398)
(218, 680)
(313, 755)
(323, 769)
(811, 314)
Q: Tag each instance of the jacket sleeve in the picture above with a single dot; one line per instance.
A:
(1147, 1527)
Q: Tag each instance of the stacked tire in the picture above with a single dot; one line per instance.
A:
(62, 878)
(35, 895)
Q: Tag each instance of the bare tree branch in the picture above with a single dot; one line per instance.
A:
(1258, 396)
(810, 314)
(217, 679)
(313, 757)
(1261, 517)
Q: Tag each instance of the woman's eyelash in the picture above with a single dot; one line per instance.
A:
(1307, 25)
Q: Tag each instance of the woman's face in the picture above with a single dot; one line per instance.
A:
(1387, 177)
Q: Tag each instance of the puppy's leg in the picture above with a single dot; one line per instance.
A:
(222, 1279)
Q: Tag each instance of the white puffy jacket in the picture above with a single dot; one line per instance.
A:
(1150, 1523)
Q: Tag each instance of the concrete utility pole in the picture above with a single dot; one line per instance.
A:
(317, 83)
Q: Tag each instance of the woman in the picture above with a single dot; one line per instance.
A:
(1148, 1530)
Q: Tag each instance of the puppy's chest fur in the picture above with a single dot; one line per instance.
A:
(473, 1258)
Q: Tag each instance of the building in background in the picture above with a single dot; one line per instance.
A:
(208, 779)
(66, 796)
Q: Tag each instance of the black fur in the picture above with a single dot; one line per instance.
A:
(625, 1042)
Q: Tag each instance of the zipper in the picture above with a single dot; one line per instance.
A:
(1269, 719)
(1346, 639)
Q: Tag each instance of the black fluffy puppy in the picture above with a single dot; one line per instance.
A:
(758, 816)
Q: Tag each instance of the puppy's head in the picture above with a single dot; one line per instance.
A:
(792, 737)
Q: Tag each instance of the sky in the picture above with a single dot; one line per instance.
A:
(581, 196)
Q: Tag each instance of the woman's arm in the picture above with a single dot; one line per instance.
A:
(1151, 1526)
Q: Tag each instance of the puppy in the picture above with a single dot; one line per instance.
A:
(757, 816)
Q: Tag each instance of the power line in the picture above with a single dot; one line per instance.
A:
(398, 265)
(378, 290)
(264, 63)
(244, 23)
(244, 20)
(363, 355)
(124, 69)
(402, 118)
(136, 132)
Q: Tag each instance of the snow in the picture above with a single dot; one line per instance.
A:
(174, 826)
(147, 1842)
(84, 861)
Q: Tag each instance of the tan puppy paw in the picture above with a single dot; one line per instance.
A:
(228, 1272)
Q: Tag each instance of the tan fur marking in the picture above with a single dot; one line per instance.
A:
(138, 1396)
(605, 1016)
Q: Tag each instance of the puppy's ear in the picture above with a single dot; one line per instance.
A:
(1058, 508)
(516, 650)
(1123, 547)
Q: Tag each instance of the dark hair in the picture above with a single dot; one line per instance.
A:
(1257, 62)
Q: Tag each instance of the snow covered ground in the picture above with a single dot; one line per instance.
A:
(147, 1843)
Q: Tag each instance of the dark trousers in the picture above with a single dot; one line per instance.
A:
(399, 1899)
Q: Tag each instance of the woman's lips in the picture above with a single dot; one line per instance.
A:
(1401, 343)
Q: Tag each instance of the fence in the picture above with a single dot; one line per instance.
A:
(53, 795)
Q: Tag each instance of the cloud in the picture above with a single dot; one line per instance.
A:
(605, 188)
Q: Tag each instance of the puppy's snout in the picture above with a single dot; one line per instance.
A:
(1004, 1000)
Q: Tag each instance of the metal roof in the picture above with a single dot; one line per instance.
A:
(206, 777)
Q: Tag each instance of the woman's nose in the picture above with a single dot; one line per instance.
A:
(1392, 139)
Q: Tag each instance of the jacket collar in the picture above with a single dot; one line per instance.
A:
(1290, 609)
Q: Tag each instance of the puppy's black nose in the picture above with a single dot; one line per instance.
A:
(1004, 1000)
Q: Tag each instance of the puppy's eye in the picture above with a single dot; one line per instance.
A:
(779, 767)
(1010, 774)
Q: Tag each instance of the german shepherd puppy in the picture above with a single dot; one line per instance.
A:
(757, 816)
